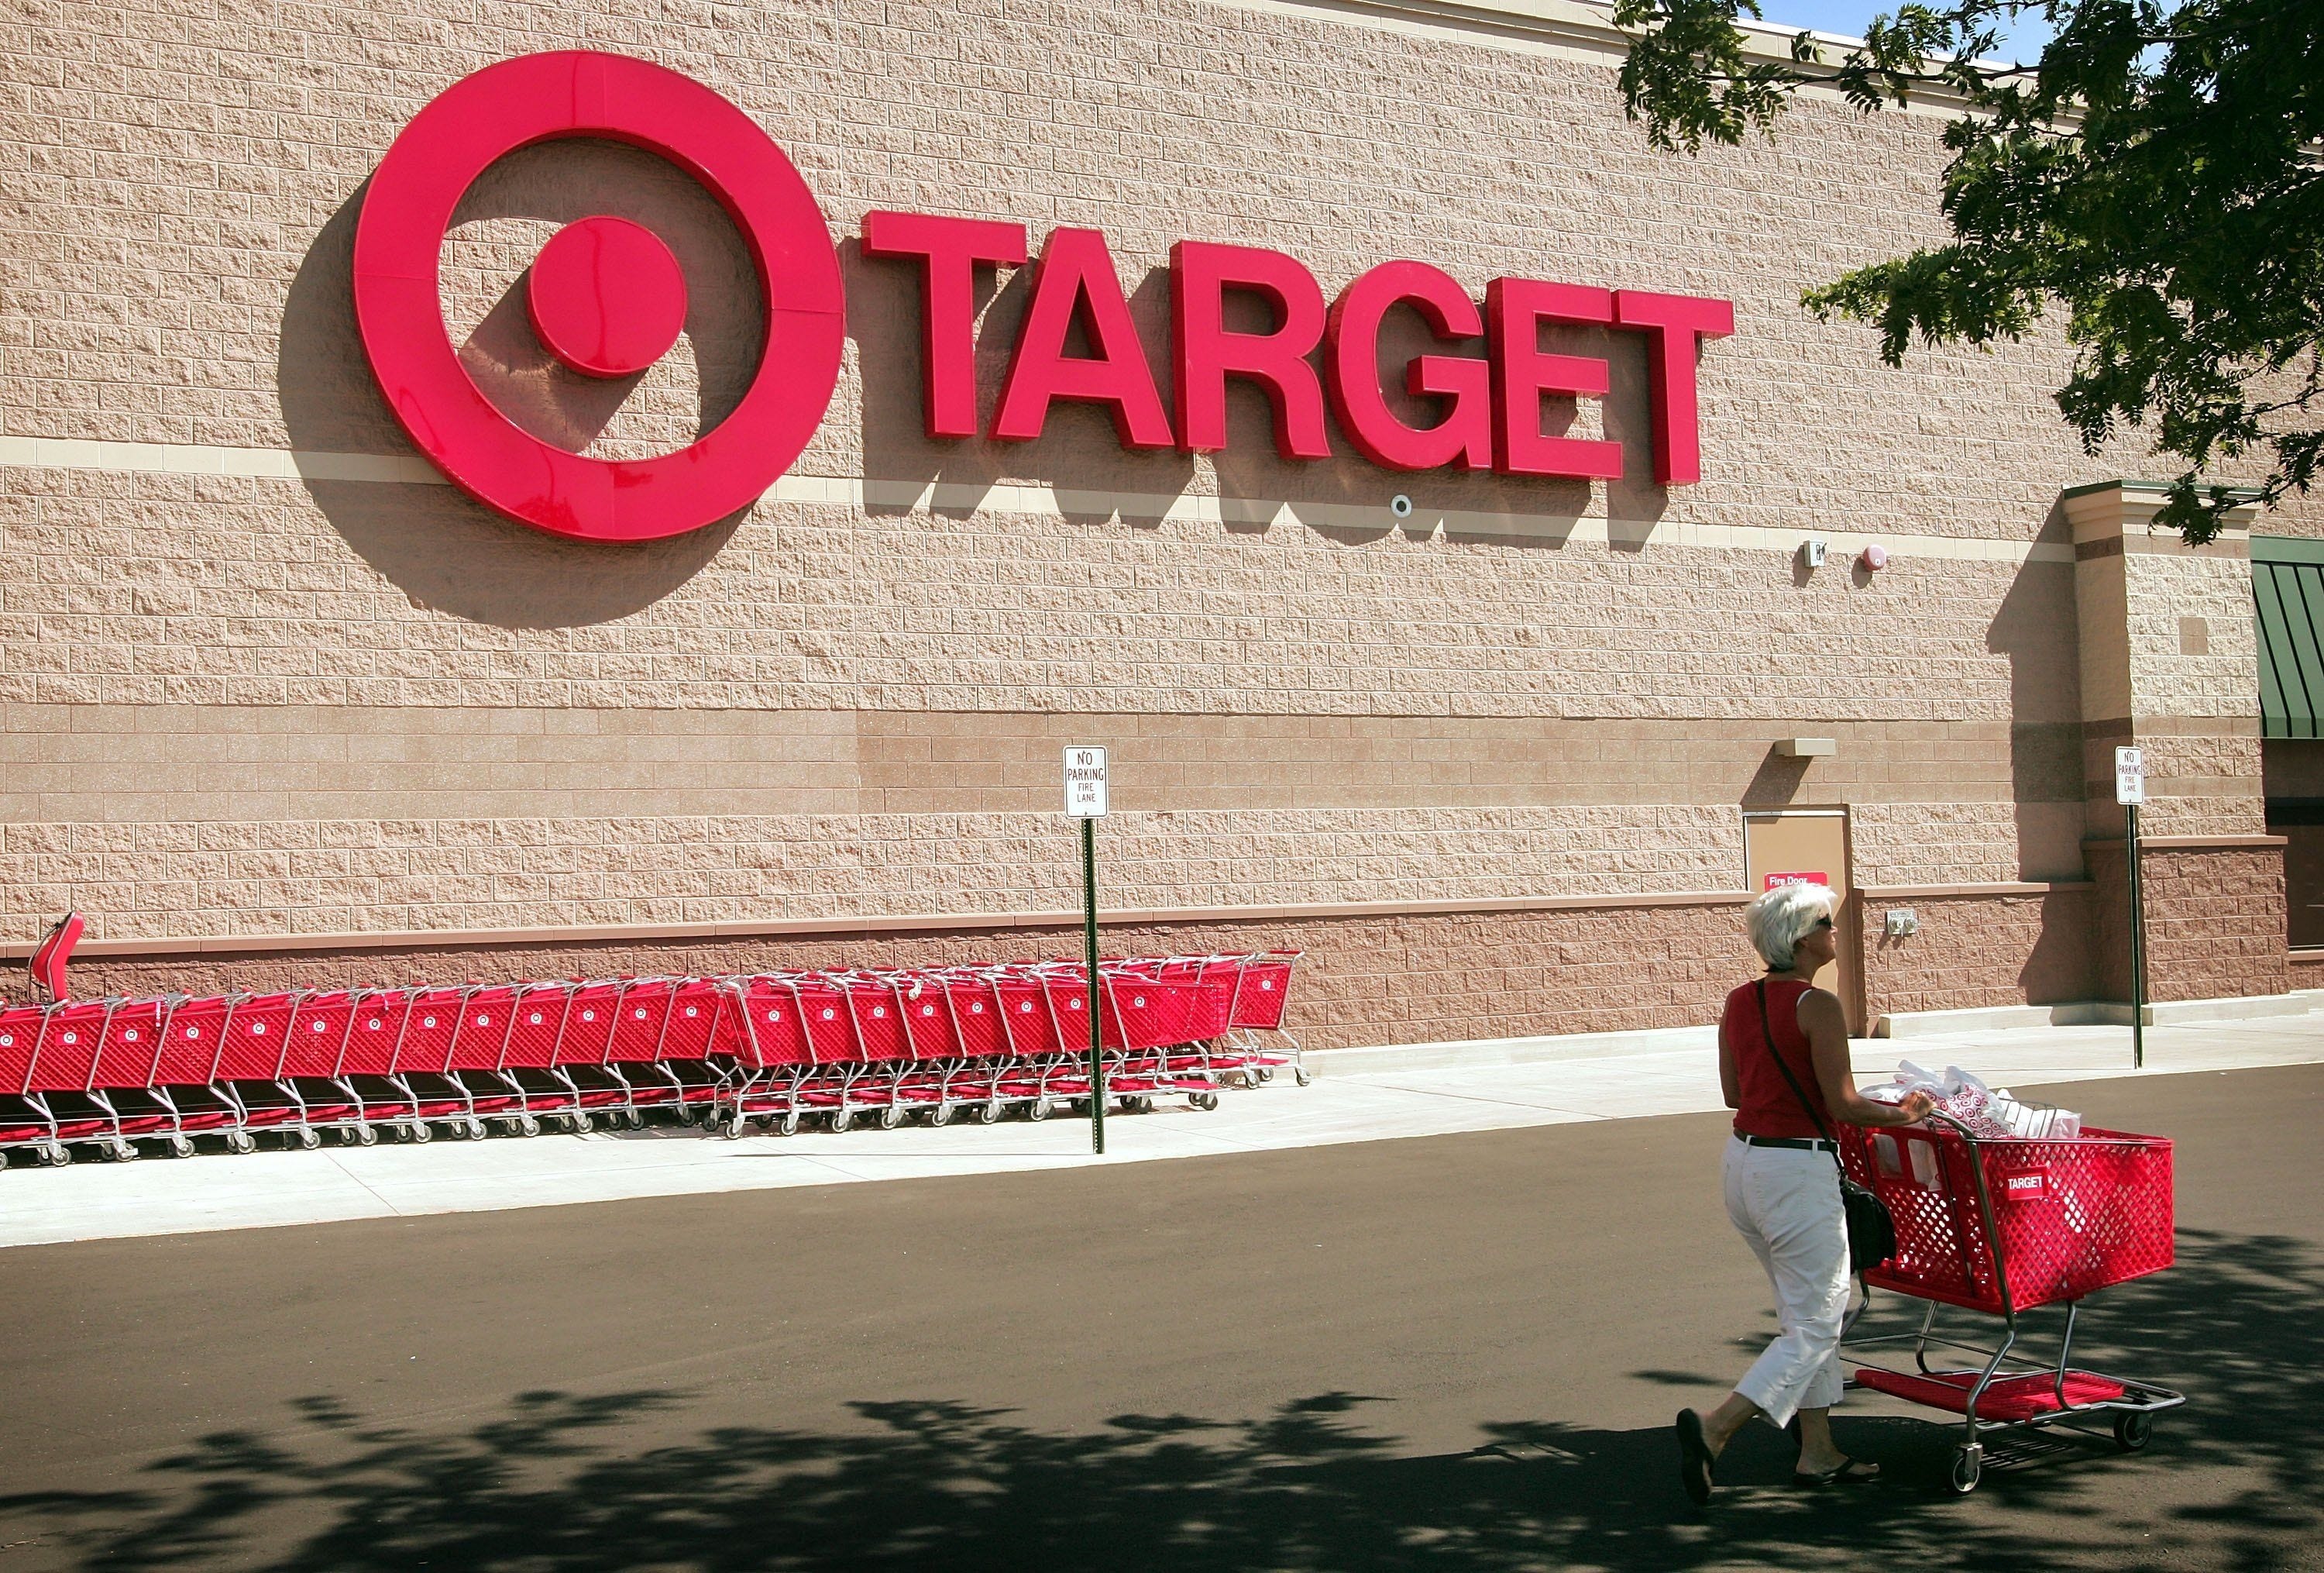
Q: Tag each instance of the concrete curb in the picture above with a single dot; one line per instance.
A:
(2097, 1013)
(1387, 1058)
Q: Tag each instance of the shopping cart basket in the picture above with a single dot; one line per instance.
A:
(421, 1061)
(2001, 1227)
(1243, 1038)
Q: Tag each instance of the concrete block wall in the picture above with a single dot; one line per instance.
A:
(322, 877)
(2215, 920)
(316, 692)
(1410, 978)
(2028, 948)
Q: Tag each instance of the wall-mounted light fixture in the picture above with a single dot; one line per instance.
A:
(1806, 747)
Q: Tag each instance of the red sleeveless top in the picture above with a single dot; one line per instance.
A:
(1768, 1107)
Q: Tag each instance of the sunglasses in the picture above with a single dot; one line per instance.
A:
(1820, 923)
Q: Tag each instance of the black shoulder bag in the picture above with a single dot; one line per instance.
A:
(1872, 1232)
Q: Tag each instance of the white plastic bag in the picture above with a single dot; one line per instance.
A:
(1963, 1097)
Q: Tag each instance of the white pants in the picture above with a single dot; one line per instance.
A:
(1785, 1201)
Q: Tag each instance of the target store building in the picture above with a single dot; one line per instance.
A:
(500, 490)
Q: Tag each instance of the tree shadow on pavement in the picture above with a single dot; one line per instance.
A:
(624, 1481)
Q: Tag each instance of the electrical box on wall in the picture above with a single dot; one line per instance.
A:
(1901, 921)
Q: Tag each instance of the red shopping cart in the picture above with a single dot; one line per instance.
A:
(883, 1044)
(2002, 1226)
(1243, 1038)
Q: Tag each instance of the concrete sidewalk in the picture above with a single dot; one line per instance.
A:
(1665, 1074)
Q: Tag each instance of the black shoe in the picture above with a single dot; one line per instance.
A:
(1694, 1459)
(1853, 1472)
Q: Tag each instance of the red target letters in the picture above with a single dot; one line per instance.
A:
(1489, 405)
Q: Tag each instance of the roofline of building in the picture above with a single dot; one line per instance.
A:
(1576, 27)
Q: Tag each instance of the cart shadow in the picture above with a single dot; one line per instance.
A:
(557, 1481)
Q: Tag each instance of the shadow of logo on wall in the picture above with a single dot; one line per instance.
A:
(445, 550)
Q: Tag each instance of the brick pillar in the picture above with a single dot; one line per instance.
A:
(2170, 663)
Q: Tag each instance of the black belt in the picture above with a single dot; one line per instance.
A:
(1799, 1143)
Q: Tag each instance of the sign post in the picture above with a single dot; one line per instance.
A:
(1085, 801)
(2130, 791)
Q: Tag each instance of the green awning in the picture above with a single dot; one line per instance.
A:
(2288, 586)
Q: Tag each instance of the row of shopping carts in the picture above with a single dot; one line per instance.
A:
(772, 1050)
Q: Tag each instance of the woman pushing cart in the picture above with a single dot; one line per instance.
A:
(1996, 1225)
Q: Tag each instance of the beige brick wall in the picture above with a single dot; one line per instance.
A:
(1417, 977)
(304, 762)
(2215, 921)
(338, 876)
(172, 589)
(476, 722)
(1975, 950)
(2164, 589)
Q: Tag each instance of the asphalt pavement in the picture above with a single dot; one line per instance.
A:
(1457, 1352)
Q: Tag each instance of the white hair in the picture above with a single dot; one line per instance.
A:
(1783, 916)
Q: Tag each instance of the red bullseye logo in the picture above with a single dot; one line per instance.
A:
(605, 296)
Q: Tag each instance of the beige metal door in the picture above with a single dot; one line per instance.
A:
(1810, 844)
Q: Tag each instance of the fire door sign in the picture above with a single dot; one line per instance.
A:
(1808, 876)
(1085, 783)
(2129, 775)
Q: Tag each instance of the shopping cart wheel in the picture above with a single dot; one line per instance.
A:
(840, 1119)
(989, 1112)
(1038, 1109)
(582, 1124)
(56, 1155)
(788, 1126)
(1266, 1073)
(1302, 1075)
(181, 1146)
(940, 1115)
(420, 1134)
(1968, 1463)
(241, 1142)
(892, 1116)
(1204, 1101)
(2133, 1432)
(311, 1139)
(528, 1126)
(366, 1136)
(120, 1151)
(634, 1118)
(736, 1128)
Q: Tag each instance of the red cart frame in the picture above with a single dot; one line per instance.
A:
(2002, 1226)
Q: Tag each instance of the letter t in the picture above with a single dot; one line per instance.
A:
(949, 250)
(1673, 325)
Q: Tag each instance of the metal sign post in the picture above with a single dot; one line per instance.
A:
(2130, 791)
(1085, 801)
